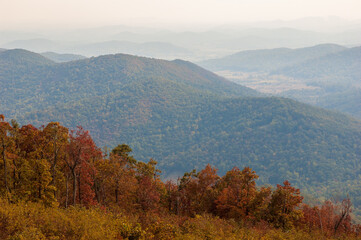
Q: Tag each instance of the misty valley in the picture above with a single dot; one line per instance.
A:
(246, 131)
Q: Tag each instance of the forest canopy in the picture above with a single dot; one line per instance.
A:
(53, 173)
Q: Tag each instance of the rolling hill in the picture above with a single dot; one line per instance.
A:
(30, 81)
(19, 58)
(339, 68)
(337, 78)
(330, 74)
(185, 117)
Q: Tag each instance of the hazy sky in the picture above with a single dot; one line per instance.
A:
(32, 14)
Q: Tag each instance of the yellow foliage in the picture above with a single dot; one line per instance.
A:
(34, 221)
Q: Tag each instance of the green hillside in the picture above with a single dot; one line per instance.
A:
(340, 68)
(184, 117)
(20, 57)
(329, 75)
(184, 129)
(38, 87)
(337, 78)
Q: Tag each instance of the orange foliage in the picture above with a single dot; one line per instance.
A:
(53, 166)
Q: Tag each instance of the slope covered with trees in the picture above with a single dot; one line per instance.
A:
(185, 117)
(324, 75)
(339, 66)
(56, 184)
(279, 138)
(335, 78)
(36, 82)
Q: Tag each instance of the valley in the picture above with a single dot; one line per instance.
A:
(325, 75)
(185, 117)
(184, 120)
(262, 82)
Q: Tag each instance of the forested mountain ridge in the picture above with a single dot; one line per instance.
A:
(21, 57)
(325, 75)
(344, 64)
(185, 117)
(37, 87)
(336, 79)
(280, 138)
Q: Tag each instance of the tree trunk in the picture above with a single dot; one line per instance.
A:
(5, 168)
(116, 192)
(67, 191)
(74, 186)
(39, 182)
(14, 176)
(79, 189)
(97, 191)
(53, 165)
(53, 180)
(319, 216)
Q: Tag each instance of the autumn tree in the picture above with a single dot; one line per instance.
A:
(330, 217)
(34, 171)
(149, 185)
(206, 189)
(5, 142)
(123, 151)
(116, 181)
(81, 152)
(239, 197)
(171, 197)
(55, 141)
(197, 192)
(284, 208)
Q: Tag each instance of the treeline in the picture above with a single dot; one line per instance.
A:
(60, 169)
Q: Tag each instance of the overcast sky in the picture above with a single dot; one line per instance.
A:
(32, 14)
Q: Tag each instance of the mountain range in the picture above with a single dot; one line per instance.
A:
(269, 59)
(330, 74)
(191, 44)
(184, 117)
(156, 49)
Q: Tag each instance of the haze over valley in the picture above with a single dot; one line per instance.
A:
(208, 42)
(325, 75)
(180, 120)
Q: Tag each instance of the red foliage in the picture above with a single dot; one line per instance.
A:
(82, 152)
(330, 218)
(31, 159)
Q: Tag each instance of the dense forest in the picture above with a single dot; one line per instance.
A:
(57, 184)
(186, 117)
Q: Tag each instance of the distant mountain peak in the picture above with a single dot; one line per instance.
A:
(22, 56)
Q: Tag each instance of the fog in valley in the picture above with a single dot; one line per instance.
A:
(103, 102)
(185, 42)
